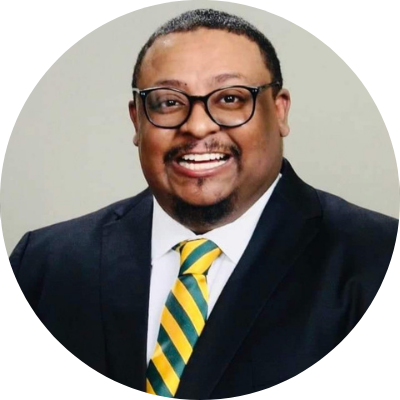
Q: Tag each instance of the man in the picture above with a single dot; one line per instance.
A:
(229, 275)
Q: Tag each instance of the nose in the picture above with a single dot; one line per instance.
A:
(199, 123)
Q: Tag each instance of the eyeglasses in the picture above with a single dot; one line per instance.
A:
(228, 107)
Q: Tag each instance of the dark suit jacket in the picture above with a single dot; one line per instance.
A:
(312, 268)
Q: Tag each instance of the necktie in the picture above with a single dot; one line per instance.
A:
(183, 318)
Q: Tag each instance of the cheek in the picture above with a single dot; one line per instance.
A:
(152, 149)
(261, 151)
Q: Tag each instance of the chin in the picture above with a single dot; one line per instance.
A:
(203, 214)
(203, 197)
(201, 202)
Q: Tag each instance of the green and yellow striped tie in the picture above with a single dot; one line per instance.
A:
(183, 318)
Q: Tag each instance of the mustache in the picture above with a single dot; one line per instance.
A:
(212, 146)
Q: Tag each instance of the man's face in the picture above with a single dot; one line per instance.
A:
(199, 62)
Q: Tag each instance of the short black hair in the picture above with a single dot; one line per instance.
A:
(220, 20)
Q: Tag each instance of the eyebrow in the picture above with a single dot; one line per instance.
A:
(221, 78)
(218, 79)
(171, 82)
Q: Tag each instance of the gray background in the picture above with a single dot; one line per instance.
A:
(71, 150)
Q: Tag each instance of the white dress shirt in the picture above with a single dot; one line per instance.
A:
(166, 233)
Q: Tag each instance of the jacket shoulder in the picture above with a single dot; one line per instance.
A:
(81, 225)
(357, 228)
(72, 236)
(350, 216)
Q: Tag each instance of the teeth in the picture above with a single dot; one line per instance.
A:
(203, 157)
(197, 167)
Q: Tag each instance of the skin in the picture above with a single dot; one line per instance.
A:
(199, 62)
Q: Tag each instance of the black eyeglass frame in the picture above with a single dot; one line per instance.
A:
(204, 99)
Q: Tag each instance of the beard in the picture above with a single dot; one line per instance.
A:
(201, 219)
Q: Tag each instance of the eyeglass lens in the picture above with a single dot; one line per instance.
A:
(229, 106)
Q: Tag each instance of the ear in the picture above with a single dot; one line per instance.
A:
(282, 107)
(133, 112)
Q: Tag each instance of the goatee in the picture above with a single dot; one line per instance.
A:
(201, 219)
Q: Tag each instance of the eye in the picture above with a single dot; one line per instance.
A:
(161, 101)
(230, 98)
(169, 103)
(165, 103)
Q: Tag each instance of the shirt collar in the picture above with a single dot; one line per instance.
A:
(166, 232)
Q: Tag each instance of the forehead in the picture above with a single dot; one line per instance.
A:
(200, 58)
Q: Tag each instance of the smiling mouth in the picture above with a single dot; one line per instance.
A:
(198, 162)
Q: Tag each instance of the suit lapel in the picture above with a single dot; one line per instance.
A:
(125, 282)
(286, 227)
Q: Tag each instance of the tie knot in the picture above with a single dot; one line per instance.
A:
(197, 255)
